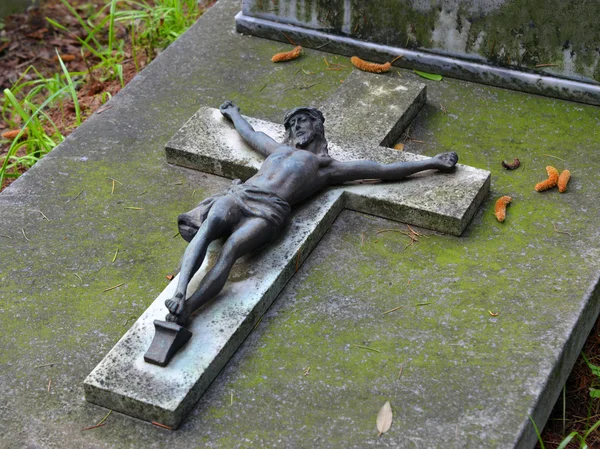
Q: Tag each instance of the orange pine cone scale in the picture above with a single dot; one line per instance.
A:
(288, 55)
(563, 180)
(501, 204)
(370, 66)
(550, 182)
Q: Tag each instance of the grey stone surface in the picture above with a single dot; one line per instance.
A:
(442, 202)
(469, 379)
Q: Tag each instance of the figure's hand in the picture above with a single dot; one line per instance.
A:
(446, 161)
(228, 109)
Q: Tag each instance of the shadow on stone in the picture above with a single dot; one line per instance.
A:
(168, 339)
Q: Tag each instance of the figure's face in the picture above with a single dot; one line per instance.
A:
(303, 129)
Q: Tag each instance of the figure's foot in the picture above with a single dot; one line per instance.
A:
(180, 319)
(446, 161)
(175, 305)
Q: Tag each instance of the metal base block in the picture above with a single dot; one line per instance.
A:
(168, 339)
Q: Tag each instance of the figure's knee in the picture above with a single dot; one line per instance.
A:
(214, 226)
(222, 218)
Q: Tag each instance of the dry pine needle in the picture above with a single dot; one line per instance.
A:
(563, 180)
(370, 66)
(288, 55)
(65, 58)
(550, 182)
(501, 204)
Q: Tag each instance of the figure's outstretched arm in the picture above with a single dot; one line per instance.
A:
(340, 172)
(262, 143)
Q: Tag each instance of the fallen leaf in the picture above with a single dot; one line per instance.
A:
(429, 76)
(399, 147)
(170, 277)
(12, 134)
(39, 34)
(516, 163)
(384, 418)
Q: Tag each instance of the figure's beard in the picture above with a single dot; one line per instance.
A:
(304, 139)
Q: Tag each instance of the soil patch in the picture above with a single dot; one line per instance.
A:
(29, 40)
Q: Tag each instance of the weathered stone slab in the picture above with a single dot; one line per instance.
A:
(442, 202)
(367, 107)
(469, 380)
(467, 29)
(13, 6)
(210, 143)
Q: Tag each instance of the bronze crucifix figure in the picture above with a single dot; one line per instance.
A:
(253, 213)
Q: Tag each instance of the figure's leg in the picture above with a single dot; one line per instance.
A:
(219, 222)
(251, 234)
(192, 260)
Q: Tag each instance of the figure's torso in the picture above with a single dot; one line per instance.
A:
(292, 174)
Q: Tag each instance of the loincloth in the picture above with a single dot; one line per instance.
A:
(252, 201)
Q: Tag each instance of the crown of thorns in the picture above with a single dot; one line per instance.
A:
(312, 112)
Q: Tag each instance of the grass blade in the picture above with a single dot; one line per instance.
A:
(111, 26)
(15, 103)
(71, 87)
(537, 432)
(591, 429)
(84, 43)
(594, 368)
(82, 22)
(567, 440)
(13, 148)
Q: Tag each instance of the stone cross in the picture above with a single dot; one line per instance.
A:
(354, 118)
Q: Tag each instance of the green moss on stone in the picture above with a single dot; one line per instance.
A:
(523, 270)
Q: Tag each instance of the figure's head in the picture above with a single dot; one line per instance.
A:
(304, 126)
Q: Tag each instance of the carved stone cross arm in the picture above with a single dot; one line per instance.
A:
(437, 201)
(124, 382)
